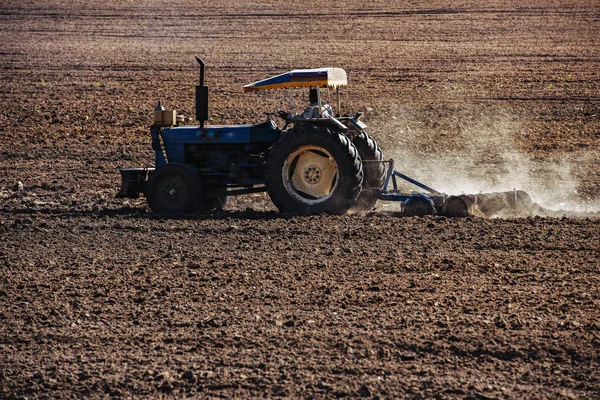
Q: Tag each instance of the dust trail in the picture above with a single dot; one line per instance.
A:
(478, 152)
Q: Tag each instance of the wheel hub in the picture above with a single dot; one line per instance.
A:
(310, 174)
(173, 192)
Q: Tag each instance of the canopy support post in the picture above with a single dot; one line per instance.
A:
(319, 100)
(347, 103)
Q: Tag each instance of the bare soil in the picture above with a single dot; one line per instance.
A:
(100, 298)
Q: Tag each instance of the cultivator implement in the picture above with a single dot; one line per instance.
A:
(433, 202)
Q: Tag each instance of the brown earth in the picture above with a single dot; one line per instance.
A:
(99, 298)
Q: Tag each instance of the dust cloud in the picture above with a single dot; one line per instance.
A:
(472, 152)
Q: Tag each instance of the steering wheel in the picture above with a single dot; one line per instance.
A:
(286, 116)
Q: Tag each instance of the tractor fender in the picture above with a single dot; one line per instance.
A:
(331, 123)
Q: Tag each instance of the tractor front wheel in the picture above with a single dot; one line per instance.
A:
(173, 189)
(313, 170)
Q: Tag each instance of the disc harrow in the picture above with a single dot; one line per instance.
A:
(434, 202)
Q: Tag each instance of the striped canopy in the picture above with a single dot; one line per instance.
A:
(299, 78)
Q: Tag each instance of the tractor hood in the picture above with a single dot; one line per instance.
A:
(300, 78)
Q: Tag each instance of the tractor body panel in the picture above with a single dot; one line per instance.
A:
(225, 155)
(209, 134)
(176, 139)
(250, 137)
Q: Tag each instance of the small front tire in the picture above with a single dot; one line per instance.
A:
(173, 189)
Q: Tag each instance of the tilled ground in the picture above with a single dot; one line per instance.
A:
(99, 298)
(253, 304)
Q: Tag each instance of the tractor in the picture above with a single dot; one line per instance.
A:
(322, 164)
(310, 166)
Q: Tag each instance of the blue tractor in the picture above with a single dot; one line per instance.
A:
(317, 163)
(320, 164)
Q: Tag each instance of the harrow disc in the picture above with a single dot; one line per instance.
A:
(507, 204)
(418, 205)
(458, 206)
(515, 203)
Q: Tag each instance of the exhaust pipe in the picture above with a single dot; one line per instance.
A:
(201, 96)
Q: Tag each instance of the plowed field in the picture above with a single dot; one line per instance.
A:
(100, 298)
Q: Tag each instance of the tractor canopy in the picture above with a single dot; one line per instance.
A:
(302, 78)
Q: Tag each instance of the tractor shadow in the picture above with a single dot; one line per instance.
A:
(139, 213)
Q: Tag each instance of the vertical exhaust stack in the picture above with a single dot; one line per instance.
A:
(201, 97)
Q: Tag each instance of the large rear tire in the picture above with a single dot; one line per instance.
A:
(373, 170)
(313, 170)
(173, 189)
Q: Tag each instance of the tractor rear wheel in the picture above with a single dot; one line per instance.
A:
(173, 189)
(373, 170)
(313, 170)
